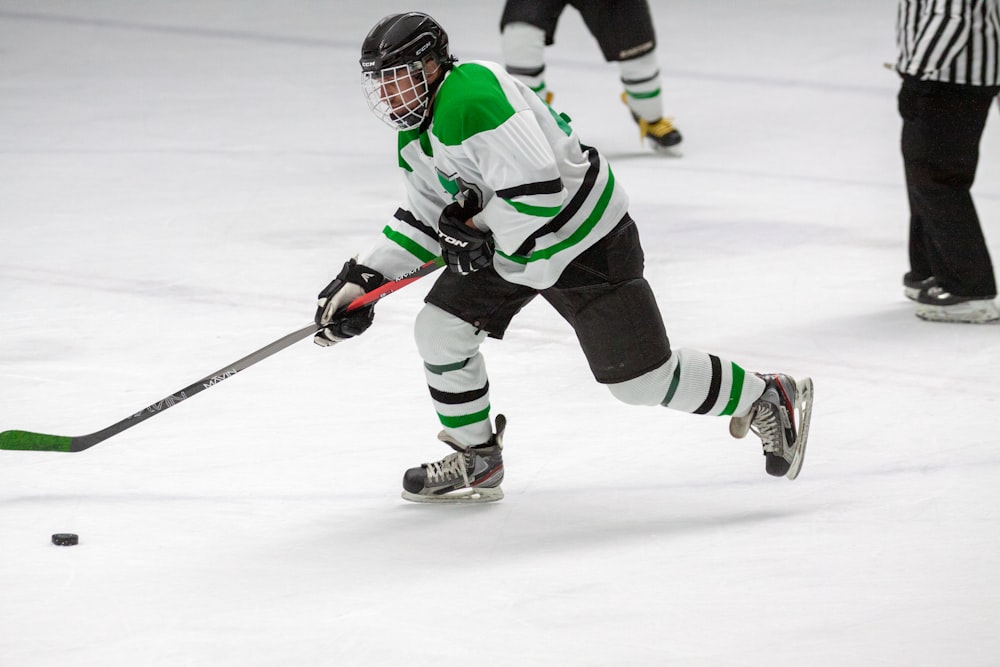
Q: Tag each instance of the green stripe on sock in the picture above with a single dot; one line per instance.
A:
(643, 96)
(676, 380)
(464, 420)
(439, 370)
(735, 392)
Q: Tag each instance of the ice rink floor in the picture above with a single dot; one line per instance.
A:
(179, 179)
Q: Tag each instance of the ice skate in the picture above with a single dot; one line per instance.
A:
(936, 304)
(660, 134)
(773, 418)
(470, 475)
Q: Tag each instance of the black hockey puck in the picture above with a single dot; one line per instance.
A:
(65, 539)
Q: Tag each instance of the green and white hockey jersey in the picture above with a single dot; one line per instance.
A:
(545, 197)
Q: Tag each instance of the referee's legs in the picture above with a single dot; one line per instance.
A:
(942, 127)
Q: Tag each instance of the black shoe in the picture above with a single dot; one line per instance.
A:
(912, 285)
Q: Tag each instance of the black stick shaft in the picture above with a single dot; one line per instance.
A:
(80, 443)
(27, 440)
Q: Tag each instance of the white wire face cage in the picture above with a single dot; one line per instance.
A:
(397, 95)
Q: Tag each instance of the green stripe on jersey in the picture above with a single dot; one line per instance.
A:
(585, 228)
(537, 211)
(469, 101)
(563, 121)
(408, 244)
(408, 137)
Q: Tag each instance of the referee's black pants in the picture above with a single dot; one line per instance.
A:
(942, 126)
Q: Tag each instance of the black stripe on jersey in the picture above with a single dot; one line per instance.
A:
(525, 71)
(993, 50)
(410, 219)
(714, 386)
(449, 398)
(936, 41)
(954, 39)
(552, 187)
(556, 223)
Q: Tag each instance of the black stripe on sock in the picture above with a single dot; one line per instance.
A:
(525, 71)
(713, 388)
(449, 398)
(635, 82)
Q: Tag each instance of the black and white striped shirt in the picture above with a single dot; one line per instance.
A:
(956, 41)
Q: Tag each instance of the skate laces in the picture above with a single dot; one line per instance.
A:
(450, 467)
(660, 128)
(775, 413)
(765, 425)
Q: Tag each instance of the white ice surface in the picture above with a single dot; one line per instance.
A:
(179, 179)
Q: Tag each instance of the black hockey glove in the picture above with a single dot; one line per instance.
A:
(353, 281)
(465, 249)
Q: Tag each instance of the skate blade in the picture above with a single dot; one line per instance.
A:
(803, 406)
(970, 312)
(666, 151)
(464, 496)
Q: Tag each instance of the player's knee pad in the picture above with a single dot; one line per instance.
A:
(641, 79)
(443, 338)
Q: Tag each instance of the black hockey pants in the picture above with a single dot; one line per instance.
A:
(602, 294)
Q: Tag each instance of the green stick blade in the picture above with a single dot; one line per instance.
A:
(39, 442)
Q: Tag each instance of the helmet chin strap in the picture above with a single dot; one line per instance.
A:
(432, 87)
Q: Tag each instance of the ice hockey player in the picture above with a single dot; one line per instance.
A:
(624, 31)
(500, 186)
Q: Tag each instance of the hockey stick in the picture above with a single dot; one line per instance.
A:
(27, 440)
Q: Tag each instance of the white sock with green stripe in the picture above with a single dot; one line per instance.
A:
(641, 79)
(696, 382)
(461, 395)
(456, 374)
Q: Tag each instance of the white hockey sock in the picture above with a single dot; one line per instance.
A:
(696, 382)
(456, 374)
(523, 48)
(705, 384)
(641, 79)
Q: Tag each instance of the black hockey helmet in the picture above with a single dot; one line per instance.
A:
(403, 39)
(394, 77)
